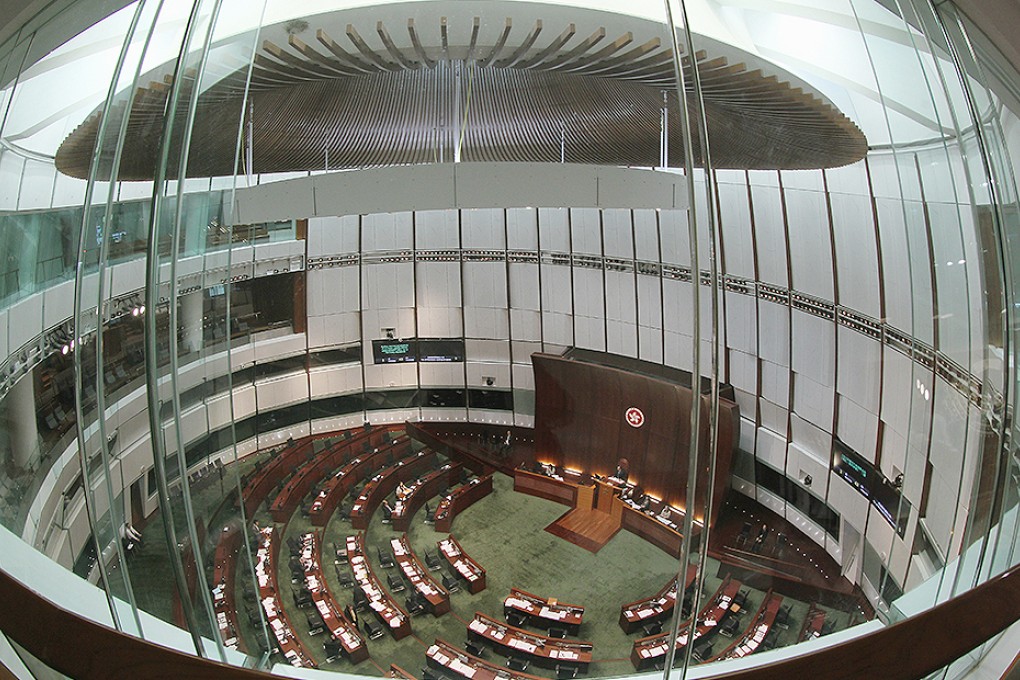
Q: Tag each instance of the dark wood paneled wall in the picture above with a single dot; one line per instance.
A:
(580, 423)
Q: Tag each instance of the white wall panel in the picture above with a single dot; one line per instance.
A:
(522, 229)
(487, 350)
(586, 231)
(771, 448)
(741, 323)
(674, 240)
(813, 401)
(617, 234)
(555, 289)
(524, 290)
(387, 231)
(282, 391)
(812, 441)
(441, 374)
(743, 371)
(525, 325)
(814, 348)
(649, 317)
(856, 254)
(478, 371)
(554, 229)
(333, 235)
(436, 230)
(735, 223)
(770, 235)
(483, 228)
(523, 377)
(810, 243)
(844, 499)
(859, 366)
(775, 382)
(438, 284)
(774, 333)
(953, 295)
(486, 322)
(388, 286)
(858, 428)
(332, 380)
(646, 235)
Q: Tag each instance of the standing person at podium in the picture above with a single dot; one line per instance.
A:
(622, 472)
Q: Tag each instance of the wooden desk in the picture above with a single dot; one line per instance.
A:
(459, 499)
(647, 525)
(340, 627)
(466, 568)
(420, 491)
(383, 484)
(336, 487)
(398, 673)
(751, 640)
(544, 612)
(276, 617)
(658, 607)
(380, 602)
(813, 623)
(224, 567)
(437, 599)
(541, 650)
(542, 486)
(309, 473)
(648, 651)
(271, 473)
(449, 659)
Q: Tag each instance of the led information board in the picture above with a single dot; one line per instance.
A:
(417, 349)
(872, 484)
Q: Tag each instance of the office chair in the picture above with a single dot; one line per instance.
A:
(564, 672)
(557, 632)
(334, 650)
(516, 664)
(474, 649)
(431, 560)
(396, 583)
(451, 584)
(385, 558)
(372, 628)
(653, 628)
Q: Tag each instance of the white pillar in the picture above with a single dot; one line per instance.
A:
(191, 320)
(21, 422)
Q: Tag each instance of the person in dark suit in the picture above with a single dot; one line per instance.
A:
(622, 472)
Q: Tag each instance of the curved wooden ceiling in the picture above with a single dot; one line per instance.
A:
(416, 96)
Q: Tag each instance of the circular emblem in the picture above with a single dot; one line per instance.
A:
(635, 418)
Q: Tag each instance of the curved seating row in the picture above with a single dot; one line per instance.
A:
(459, 499)
(435, 597)
(465, 567)
(265, 571)
(379, 601)
(420, 491)
(341, 629)
(311, 471)
(333, 491)
(657, 608)
(384, 482)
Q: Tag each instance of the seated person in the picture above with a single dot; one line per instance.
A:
(402, 491)
(627, 493)
(621, 473)
(644, 502)
(665, 512)
(387, 509)
(548, 469)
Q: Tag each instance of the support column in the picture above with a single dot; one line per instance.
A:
(191, 318)
(21, 423)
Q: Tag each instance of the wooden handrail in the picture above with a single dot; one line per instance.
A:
(80, 648)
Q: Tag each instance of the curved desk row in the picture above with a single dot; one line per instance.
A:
(467, 569)
(444, 656)
(384, 482)
(380, 602)
(269, 473)
(420, 491)
(658, 607)
(544, 651)
(265, 571)
(311, 471)
(459, 499)
(761, 624)
(544, 612)
(649, 651)
(437, 599)
(350, 475)
(339, 626)
(224, 566)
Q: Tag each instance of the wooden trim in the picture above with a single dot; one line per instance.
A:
(944, 633)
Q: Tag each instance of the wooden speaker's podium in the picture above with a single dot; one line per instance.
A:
(600, 497)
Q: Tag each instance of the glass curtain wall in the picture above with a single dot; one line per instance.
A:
(232, 273)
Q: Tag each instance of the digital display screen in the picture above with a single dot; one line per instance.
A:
(872, 484)
(417, 349)
(394, 351)
(857, 472)
(440, 350)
